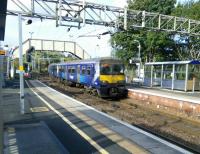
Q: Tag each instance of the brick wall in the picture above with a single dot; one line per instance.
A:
(178, 105)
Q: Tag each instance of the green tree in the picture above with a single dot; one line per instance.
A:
(159, 6)
(188, 47)
(155, 46)
(188, 10)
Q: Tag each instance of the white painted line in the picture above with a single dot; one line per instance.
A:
(85, 136)
(192, 100)
(123, 123)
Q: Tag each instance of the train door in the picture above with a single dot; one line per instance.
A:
(62, 72)
(83, 74)
(57, 70)
(72, 73)
(90, 74)
(78, 73)
(68, 72)
(65, 72)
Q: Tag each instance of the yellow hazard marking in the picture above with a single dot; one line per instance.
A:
(39, 109)
(21, 68)
(12, 141)
(112, 78)
(11, 130)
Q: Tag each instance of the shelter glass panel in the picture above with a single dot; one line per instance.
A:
(148, 71)
(167, 72)
(157, 75)
(180, 72)
(193, 72)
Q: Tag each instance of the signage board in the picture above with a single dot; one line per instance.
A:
(19, 71)
(2, 52)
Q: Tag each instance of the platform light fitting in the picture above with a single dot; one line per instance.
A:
(28, 21)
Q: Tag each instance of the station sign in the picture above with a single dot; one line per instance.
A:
(2, 52)
(19, 71)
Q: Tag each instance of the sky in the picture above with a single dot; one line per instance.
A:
(48, 30)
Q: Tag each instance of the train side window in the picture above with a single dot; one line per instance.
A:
(88, 70)
(69, 69)
(83, 70)
(73, 70)
(61, 69)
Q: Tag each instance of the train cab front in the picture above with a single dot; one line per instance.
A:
(112, 80)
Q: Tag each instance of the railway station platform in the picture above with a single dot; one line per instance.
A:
(20, 133)
(71, 124)
(178, 100)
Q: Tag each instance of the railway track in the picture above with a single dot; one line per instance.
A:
(171, 140)
(182, 137)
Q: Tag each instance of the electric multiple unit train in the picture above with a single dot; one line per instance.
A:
(105, 75)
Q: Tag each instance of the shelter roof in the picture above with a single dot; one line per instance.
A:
(174, 62)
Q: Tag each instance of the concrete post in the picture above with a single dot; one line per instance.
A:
(186, 77)
(162, 76)
(125, 17)
(21, 68)
(35, 60)
(151, 75)
(12, 69)
(38, 65)
(8, 66)
(193, 84)
(173, 76)
(1, 105)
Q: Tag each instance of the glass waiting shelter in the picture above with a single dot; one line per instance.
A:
(179, 75)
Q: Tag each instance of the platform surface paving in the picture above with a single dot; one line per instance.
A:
(31, 139)
(72, 125)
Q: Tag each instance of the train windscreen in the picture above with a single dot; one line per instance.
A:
(112, 69)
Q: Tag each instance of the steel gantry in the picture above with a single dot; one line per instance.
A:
(74, 13)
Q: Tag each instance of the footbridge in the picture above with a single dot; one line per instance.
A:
(52, 46)
(76, 13)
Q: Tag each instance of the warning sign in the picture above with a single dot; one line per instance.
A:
(2, 52)
(21, 68)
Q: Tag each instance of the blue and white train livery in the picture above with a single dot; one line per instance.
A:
(105, 75)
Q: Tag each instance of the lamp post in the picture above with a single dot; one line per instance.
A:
(139, 56)
(21, 67)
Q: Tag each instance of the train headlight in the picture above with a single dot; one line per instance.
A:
(105, 82)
